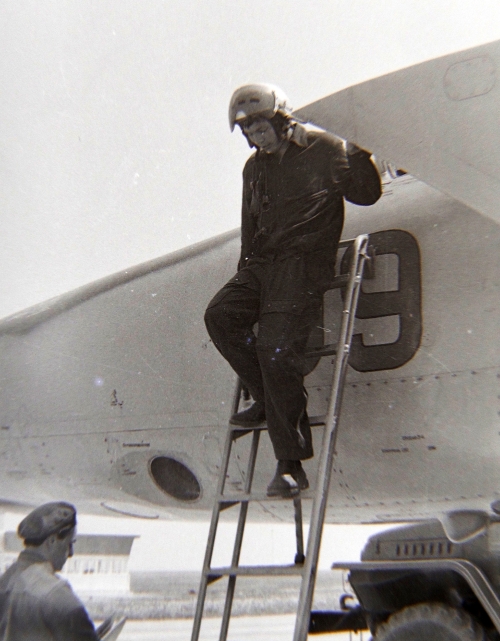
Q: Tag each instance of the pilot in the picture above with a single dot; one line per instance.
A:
(294, 187)
(36, 604)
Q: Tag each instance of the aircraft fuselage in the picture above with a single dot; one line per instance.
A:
(114, 397)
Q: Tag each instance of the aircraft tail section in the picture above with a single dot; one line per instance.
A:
(437, 120)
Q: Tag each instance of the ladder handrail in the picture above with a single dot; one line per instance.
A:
(329, 439)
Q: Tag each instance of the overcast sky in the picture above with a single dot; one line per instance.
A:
(114, 141)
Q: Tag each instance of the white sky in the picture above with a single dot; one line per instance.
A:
(115, 146)
(114, 142)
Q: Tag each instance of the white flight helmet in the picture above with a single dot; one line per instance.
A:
(257, 100)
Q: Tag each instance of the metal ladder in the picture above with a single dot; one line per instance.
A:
(305, 565)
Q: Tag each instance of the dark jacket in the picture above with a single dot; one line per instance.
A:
(294, 204)
(37, 605)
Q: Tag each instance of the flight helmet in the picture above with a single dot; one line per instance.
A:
(257, 100)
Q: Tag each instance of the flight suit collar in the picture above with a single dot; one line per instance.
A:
(299, 135)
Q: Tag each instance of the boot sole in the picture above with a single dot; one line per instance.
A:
(284, 494)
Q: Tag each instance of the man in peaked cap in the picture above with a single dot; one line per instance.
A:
(36, 604)
(294, 187)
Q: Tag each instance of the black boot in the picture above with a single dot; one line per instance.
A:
(289, 479)
(254, 416)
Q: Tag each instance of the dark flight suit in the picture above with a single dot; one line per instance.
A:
(37, 605)
(292, 219)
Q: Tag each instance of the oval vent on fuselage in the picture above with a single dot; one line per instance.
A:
(174, 478)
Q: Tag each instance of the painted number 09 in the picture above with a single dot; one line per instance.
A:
(405, 303)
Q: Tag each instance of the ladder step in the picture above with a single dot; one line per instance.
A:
(224, 504)
(228, 500)
(255, 570)
(238, 430)
(339, 281)
(324, 350)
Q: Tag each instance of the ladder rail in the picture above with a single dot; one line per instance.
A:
(242, 518)
(212, 532)
(329, 439)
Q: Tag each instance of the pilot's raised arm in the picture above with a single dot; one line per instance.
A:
(361, 184)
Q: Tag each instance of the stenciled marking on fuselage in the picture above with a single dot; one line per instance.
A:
(136, 445)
